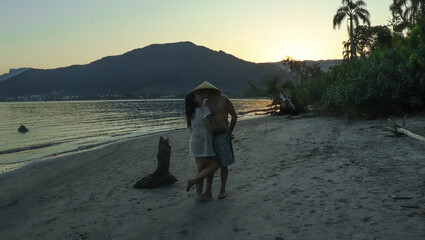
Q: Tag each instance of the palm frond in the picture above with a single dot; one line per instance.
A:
(364, 16)
(360, 4)
(338, 18)
(363, 11)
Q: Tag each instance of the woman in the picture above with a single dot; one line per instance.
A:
(201, 127)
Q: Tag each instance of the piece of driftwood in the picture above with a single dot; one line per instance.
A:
(260, 110)
(161, 176)
(399, 198)
(286, 97)
(410, 206)
(304, 115)
(400, 130)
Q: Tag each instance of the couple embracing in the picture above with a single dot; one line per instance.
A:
(210, 144)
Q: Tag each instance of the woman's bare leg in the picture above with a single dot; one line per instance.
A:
(208, 172)
(200, 164)
(206, 167)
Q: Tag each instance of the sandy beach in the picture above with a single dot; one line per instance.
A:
(312, 178)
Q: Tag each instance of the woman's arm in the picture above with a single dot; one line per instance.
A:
(234, 117)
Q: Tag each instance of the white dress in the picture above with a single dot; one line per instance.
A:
(201, 139)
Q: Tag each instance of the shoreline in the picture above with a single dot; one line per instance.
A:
(4, 167)
(101, 123)
(14, 166)
(312, 178)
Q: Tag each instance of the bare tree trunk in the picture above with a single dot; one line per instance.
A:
(161, 176)
(410, 134)
(352, 37)
(395, 128)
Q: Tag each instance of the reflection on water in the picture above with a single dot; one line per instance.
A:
(63, 127)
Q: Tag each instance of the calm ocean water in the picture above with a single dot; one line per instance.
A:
(58, 128)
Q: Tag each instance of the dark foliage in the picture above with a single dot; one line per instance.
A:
(388, 80)
(301, 70)
(405, 13)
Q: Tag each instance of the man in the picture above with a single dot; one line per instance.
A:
(221, 107)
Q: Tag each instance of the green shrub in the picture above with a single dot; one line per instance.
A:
(386, 82)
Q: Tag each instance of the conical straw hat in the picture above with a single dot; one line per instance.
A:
(206, 85)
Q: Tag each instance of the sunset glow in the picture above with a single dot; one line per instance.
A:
(50, 34)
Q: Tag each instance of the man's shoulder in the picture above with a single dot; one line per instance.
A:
(224, 98)
(218, 103)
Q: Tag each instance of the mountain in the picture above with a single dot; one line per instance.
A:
(162, 69)
(324, 64)
(12, 73)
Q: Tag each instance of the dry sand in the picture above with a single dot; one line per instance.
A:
(316, 178)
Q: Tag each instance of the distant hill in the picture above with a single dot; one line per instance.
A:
(12, 73)
(325, 64)
(164, 69)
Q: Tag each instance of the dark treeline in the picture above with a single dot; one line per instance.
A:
(383, 70)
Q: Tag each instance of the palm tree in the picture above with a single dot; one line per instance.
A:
(354, 11)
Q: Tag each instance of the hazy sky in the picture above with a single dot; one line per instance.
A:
(57, 33)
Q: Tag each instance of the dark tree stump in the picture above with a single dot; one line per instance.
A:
(161, 176)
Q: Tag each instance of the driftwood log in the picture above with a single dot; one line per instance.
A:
(161, 176)
(266, 110)
(304, 115)
(285, 97)
(400, 130)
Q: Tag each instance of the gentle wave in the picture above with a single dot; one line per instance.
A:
(59, 128)
(15, 150)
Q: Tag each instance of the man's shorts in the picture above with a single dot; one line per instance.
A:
(223, 149)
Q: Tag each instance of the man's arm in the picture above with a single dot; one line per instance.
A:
(209, 122)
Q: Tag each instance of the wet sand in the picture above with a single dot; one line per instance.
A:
(313, 178)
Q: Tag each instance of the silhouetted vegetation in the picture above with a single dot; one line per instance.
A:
(405, 13)
(386, 74)
(283, 96)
